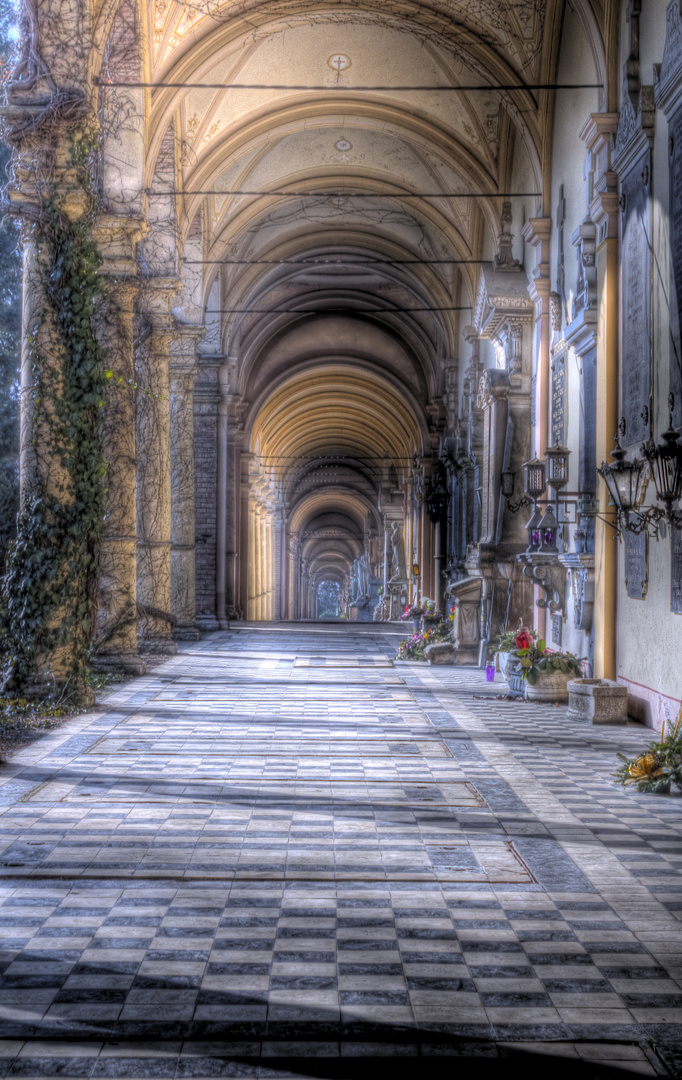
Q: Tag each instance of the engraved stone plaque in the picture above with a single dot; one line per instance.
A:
(675, 145)
(558, 400)
(676, 570)
(637, 276)
(636, 571)
(557, 628)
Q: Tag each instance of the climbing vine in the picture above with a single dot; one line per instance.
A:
(50, 589)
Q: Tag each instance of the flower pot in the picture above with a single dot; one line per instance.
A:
(552, 686)
(503, 660)
(416, 623)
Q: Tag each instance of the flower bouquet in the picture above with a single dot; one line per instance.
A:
(536, 660)
(659, 766)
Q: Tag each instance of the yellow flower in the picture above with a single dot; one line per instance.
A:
(642, 767)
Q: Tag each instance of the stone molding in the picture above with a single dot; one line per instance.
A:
(636, 128)
(597, 133)
(668, 77)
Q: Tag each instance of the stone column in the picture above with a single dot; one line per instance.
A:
(604, 211)
(251, 562)
(387, 556)
(116, 628)
(183, 370)
(206, 403)
(281, 563)
(154, 469)
(537, 231)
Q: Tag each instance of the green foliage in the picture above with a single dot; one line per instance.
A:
(19, 713)
(539, 660)
(414, 648)
(507, 641)
(49, 593)
(10, 324)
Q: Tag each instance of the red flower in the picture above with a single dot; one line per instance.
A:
(524, 640)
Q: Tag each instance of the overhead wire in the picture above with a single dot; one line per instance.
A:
(397, 310)
(438, 88)
(355, 194)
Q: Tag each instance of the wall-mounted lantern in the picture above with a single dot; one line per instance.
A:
(557, 465)
(665, 459)
(534, 534)
(534, 478)
(548, 532)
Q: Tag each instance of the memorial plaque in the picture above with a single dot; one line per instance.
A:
(558, 400)
(557, 628)
(676, 570)
(675, 145)
(637, 277)
(636, 571)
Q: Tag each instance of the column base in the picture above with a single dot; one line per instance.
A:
(207, 623)
(118, 663)
(186, 633)
(163, 645)
(223, 624)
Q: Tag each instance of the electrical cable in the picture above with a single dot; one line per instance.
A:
(333, 262)
(151, 192)
(445, 88)
(336, 310)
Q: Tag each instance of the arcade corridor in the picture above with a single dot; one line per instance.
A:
(282, 850)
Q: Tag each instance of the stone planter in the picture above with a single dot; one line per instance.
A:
(600, 701)
(552, 686)
(502, 662)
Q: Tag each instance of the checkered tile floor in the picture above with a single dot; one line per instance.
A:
(282, 835)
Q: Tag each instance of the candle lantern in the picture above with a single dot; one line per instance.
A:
(534, 478)
(557, 465)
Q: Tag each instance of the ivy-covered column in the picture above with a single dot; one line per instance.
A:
(183, 369)
(154, 468)
(50, 591)
(116, 627)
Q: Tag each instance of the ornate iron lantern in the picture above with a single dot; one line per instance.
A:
(665, 459)
(548, 528)
(534, 533)
(557, 458)
(534, 478)
(622, 479)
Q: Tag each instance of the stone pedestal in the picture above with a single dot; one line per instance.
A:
(599, 700)
(443, 652)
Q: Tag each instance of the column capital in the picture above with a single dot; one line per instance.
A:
(182, 349)
(156, 296)
(117, 236)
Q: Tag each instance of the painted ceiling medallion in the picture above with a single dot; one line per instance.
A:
(343, 145)
(339, 61)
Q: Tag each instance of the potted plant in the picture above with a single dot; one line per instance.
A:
(429, 615)
(546, 673)
(509, 642)
(414, 612)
